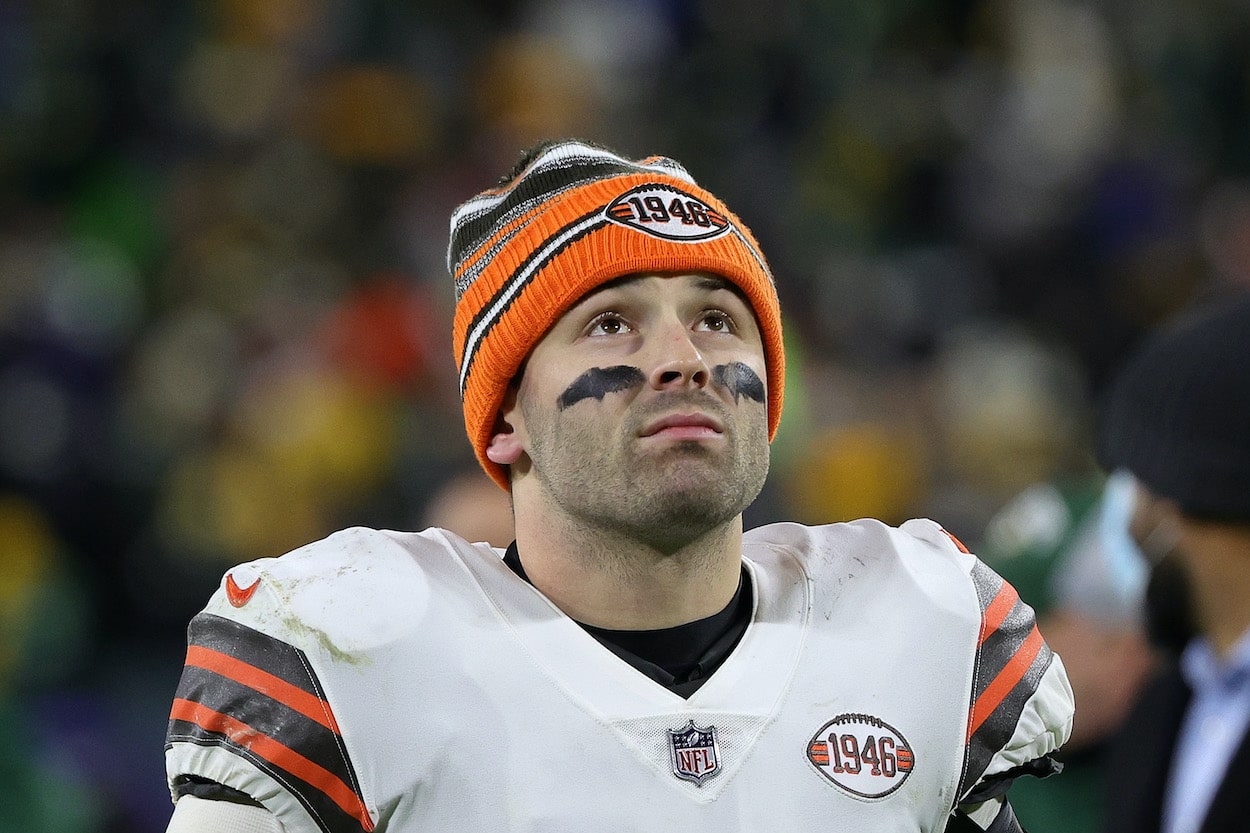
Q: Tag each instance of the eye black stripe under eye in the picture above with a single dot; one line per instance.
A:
(599, 382)
(740, 379)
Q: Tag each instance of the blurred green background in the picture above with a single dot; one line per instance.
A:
(225, 312)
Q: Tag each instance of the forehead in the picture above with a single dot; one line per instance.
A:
(703, 282)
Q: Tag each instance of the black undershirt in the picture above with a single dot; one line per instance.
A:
(681, 658)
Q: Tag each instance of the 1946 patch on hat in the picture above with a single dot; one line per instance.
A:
(667, 212)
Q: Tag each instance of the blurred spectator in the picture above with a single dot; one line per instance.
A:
(1009, 410)
(1065, 546)
(1176, 420)
(472, 506)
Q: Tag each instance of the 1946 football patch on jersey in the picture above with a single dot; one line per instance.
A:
(862, 754)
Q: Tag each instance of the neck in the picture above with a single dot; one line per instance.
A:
(601, 578)
(1218, 558)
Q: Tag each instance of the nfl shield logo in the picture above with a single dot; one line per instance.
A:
(694, 753)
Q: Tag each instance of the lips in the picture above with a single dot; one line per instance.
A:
(690, 425)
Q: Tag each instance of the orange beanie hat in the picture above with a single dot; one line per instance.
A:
(573, 217)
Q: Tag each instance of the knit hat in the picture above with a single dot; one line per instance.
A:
(573, 217)
(1178, 414)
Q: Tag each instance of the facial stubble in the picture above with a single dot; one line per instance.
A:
(666, 495)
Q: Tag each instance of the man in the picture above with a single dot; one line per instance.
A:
(633, 661)
(1178, 420)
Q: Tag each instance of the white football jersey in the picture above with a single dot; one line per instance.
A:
(412, 682)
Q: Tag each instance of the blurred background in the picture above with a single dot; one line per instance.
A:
(225, 313)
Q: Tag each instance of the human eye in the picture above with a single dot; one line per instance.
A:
(607, 324)
(715, 321)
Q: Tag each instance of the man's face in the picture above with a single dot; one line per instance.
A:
(643, 410)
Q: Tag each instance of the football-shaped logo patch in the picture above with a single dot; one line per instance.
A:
(862, 754)
(667, 212)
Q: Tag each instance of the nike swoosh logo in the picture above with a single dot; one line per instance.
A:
(240, 596)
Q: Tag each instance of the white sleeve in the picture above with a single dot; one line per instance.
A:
(200, 815)
(983, 814)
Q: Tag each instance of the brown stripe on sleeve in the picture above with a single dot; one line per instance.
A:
(257, 697)
(1011, 659)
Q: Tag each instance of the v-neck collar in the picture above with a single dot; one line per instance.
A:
(680, 658)
(751, 679)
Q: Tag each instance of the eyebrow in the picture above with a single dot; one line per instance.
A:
(715, 282)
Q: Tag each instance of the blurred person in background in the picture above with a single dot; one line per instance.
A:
(473, 507)
(633, 659)
(1177, 418)
(1061, 540)
(1064, 545)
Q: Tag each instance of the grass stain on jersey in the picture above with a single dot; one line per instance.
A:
(295, 625)
(598, 382)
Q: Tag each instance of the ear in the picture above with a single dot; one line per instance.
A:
(505, 446)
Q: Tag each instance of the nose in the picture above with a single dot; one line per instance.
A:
(680, 363)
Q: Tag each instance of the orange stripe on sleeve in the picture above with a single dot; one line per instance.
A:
(309, 705)
(1001, 686)
(276, 753)
(997, 611)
